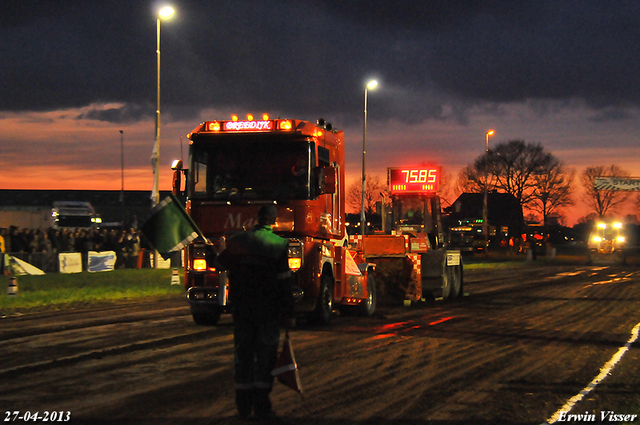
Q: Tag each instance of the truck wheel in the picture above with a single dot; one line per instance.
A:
(456, 281)
(446, 285)
(369, 306)
(209, 317)
(451, 282)
(324, 309)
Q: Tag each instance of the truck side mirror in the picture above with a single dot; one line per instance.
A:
(328, 180)
(176, 180)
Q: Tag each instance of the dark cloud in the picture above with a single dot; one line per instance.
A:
(81, 53)
(20, 12)
(312, 57)
(123, 114)
(575, 50)
(610, 114)
(432, 17)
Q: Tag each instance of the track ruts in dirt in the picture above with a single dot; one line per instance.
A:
(511, 352)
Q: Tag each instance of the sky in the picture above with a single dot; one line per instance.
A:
(78, 81)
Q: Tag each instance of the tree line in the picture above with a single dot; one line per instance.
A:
(543, 184)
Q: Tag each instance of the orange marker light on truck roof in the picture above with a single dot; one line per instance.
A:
(251, 124)
(247, 125)
(285, 125)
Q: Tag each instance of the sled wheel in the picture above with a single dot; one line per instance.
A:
(369, 306)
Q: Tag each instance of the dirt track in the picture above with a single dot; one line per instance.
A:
(514, 350)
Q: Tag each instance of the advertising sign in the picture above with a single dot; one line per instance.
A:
(617, 183)
(70, 262)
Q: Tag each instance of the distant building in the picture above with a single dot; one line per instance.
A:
(504, 213)
(31, 209)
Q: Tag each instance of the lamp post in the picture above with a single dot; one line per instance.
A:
(163, 13)
(485, 206)
(363, 221)
(122, 171)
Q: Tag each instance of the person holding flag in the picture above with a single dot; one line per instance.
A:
(261, 297)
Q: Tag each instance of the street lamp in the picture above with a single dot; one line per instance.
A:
(163, 13)
(370, 85)
(122, 167)
(485, 206)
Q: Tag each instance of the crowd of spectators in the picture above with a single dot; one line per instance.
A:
(40, 247)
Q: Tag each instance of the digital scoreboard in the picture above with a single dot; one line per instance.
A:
(414, 180)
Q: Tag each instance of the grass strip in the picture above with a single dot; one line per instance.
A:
(56, 291)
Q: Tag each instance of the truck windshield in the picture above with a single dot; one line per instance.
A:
(415, 212)
(257, 169)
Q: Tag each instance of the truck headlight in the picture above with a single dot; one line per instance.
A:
(199, 257)
(295, 264)
(199, 264)
(295, 253)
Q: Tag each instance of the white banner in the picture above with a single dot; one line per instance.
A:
(70, 262)
(162, 263)
(22, 268)
(617, 183)
(101, 261)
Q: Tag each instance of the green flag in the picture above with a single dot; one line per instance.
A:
(170, 229)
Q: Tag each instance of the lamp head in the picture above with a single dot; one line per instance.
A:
(166, 12)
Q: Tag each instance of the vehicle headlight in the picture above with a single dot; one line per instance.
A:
(199, 255)
(295, 253)
(199, 264)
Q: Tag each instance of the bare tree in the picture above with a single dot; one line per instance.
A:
(513, 167)
(553, 191)
(468, 180)
(603, 200)
(373, 188)
(471, 179)
(516, 165)
(448, 191)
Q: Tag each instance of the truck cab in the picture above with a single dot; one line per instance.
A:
(235, 167)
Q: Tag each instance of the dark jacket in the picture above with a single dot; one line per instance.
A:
(259, 275)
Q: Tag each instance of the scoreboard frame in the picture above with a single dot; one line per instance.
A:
(414, 180)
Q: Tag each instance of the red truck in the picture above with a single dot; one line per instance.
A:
(235, 167)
